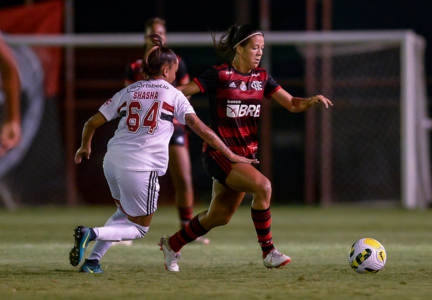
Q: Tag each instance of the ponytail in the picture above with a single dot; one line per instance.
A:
(157, 57)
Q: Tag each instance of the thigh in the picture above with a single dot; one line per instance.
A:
(245, 178)
(179, 136)
(179, 164)
(109, 171)
(139, 192)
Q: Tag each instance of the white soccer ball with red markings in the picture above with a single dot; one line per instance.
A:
(367, 256)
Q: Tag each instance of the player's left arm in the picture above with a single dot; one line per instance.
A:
(89, 129)
(295, 104)
(183, 81)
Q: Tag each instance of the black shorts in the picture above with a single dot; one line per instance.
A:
(216, 165)
(179, 136)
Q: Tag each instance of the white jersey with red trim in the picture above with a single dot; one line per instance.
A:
(147, 109)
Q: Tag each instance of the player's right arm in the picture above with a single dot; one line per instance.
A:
(213, 140)
(189, 89)
(10, 130)
(89, 129)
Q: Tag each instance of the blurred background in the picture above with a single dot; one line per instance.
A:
(355, 159)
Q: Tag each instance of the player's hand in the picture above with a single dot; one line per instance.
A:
(243, 160)
(320, 99)
(82, 152)
(10, 135)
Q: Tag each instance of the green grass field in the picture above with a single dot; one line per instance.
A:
(35, 243)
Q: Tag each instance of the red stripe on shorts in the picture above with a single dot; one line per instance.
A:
(222, 161)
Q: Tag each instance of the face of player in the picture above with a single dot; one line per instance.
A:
(159, 29)
(170, 73)
(251, 54)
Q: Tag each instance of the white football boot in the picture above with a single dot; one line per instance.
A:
(171, 257)
(275, 259)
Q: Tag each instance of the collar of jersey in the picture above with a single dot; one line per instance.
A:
(238, 72)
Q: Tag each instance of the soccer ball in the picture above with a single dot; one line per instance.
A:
(367, 256)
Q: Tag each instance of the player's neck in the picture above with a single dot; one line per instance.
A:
(240, 66)
(157, 77)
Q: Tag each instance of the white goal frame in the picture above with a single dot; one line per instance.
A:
(415, 124)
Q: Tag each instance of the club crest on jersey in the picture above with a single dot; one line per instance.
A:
(256, 85)
(242, 110)
(134, 87)
(243, 86)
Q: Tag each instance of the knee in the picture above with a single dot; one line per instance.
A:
(264, 189)
(141, 230)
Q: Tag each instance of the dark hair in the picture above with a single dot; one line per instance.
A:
(150, 22)
(236, 33)
(153, 62)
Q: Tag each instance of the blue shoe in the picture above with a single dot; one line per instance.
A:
(82, 239)
(86, 268)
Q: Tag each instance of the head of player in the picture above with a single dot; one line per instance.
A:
(152, 26)
(159, 62)
(242, 45)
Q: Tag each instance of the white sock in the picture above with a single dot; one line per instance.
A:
(120, 232)
(100, 247)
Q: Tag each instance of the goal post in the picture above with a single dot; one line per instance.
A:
(373, 77)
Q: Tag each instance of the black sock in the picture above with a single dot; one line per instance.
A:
(92, 234)
(92, 262)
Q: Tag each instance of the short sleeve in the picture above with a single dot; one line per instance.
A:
(208, 81)
(271, 87)
(182, 72)
(182, 107)
(111, 108)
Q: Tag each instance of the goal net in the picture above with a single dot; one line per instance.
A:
(373, 145)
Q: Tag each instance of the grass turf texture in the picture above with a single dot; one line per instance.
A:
(35, 243)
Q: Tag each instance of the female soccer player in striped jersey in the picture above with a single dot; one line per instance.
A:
(138, 152)
(235, 91)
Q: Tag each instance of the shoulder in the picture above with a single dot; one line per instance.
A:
(222, 67)
(260, 71)
(132, 87)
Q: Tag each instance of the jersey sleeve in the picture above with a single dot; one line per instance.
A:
(208, 81)
(182, 72)
(111, 108)
(271, 87)
(182, 107)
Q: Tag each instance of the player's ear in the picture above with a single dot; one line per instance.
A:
(238, 50)
(165, 70)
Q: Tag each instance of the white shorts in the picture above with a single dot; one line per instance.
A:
(137, 191)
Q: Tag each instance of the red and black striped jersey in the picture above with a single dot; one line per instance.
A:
(134, 71)
(235, 104)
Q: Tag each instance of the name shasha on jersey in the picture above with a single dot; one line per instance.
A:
(145, 95)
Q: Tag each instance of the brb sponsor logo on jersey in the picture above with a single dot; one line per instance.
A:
(235, 109)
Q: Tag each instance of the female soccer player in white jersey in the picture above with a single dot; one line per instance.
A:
(179, 165)
(138, 152)
(235, 91)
